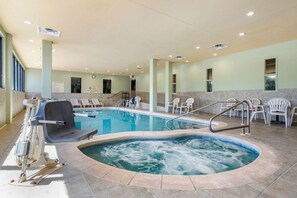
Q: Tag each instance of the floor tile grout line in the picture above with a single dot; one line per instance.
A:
(83, 174)
(277, 178)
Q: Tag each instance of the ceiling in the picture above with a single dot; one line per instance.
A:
(114, 36)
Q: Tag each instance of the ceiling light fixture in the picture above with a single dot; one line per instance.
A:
(241, 34)
(127, 69)
(251, 13)
(31, 40)
(28, 22)
(197, 47)
(170, 56)
(215, 54)
(187, 61)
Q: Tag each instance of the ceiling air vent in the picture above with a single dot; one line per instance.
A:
(218, 46)
(48, 31)
(179, 57)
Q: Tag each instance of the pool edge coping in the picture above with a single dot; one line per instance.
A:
(268, 158)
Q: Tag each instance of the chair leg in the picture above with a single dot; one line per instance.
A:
(286, 120)
(264, 117)
(252, 116)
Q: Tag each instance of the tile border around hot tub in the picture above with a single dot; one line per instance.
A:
(268, 158)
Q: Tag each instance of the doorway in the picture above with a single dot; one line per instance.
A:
(133, 88)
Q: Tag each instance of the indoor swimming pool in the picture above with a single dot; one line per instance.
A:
(113, 121)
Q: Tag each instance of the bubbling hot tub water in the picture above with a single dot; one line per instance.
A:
(191, 155)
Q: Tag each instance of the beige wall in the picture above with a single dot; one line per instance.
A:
(17, 101)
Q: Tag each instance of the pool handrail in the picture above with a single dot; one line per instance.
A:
(243, 126)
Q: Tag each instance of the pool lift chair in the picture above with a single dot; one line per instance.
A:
(54, 122)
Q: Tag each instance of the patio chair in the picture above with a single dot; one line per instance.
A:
(62, 111)
(188, 105)
(86, 103)
(134, 102)
(74, 103)
(278, 107)
(97, 103)
(224, 106)
(256, 108)
(294, 112)
(173, 104)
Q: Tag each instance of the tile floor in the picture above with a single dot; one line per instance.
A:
(70, 181)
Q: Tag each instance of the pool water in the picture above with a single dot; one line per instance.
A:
(114, 121)
(192, 155)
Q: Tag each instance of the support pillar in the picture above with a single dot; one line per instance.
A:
(46, 73)
(8, 78)
(153, 85)
(168, 84)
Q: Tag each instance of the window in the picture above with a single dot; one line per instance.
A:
(106, 86)
(75, 85)
(270, 75)
(209, 80)
(18, 78)
(1, 62)
(174, 83)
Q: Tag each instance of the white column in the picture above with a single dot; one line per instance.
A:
(46, 74)
(168, 84)
(153, 85)
(8, 78)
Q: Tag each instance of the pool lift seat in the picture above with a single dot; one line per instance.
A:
(62, 110)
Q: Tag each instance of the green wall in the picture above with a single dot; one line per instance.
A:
(118, 83)
(239, 71)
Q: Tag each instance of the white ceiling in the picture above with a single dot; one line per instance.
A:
(118, 35)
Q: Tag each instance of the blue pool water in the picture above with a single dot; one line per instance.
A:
(113, 121)
(192, 155)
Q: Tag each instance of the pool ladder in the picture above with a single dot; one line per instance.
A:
(245, 123)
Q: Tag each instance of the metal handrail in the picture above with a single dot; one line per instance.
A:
(243, 125)
(116, 94)
(195, 110)
(236, 103)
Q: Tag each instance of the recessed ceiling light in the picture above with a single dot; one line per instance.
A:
(127, 69)
(241, 34)
(28, 22)
(170, 56)
(215, 54)
(197, 47)
(187, 61)
(251, 13)
(31, 40)
(138, 67)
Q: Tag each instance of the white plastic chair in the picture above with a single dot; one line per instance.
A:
(225, 106)
(186, 105)
(134, 102)
(97, 103)
(86, 103)
(294, 112)
(256, 108)
(278, 107)
(173, 104)
(74, 103)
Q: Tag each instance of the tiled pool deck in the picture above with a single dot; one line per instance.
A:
(276, 176)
